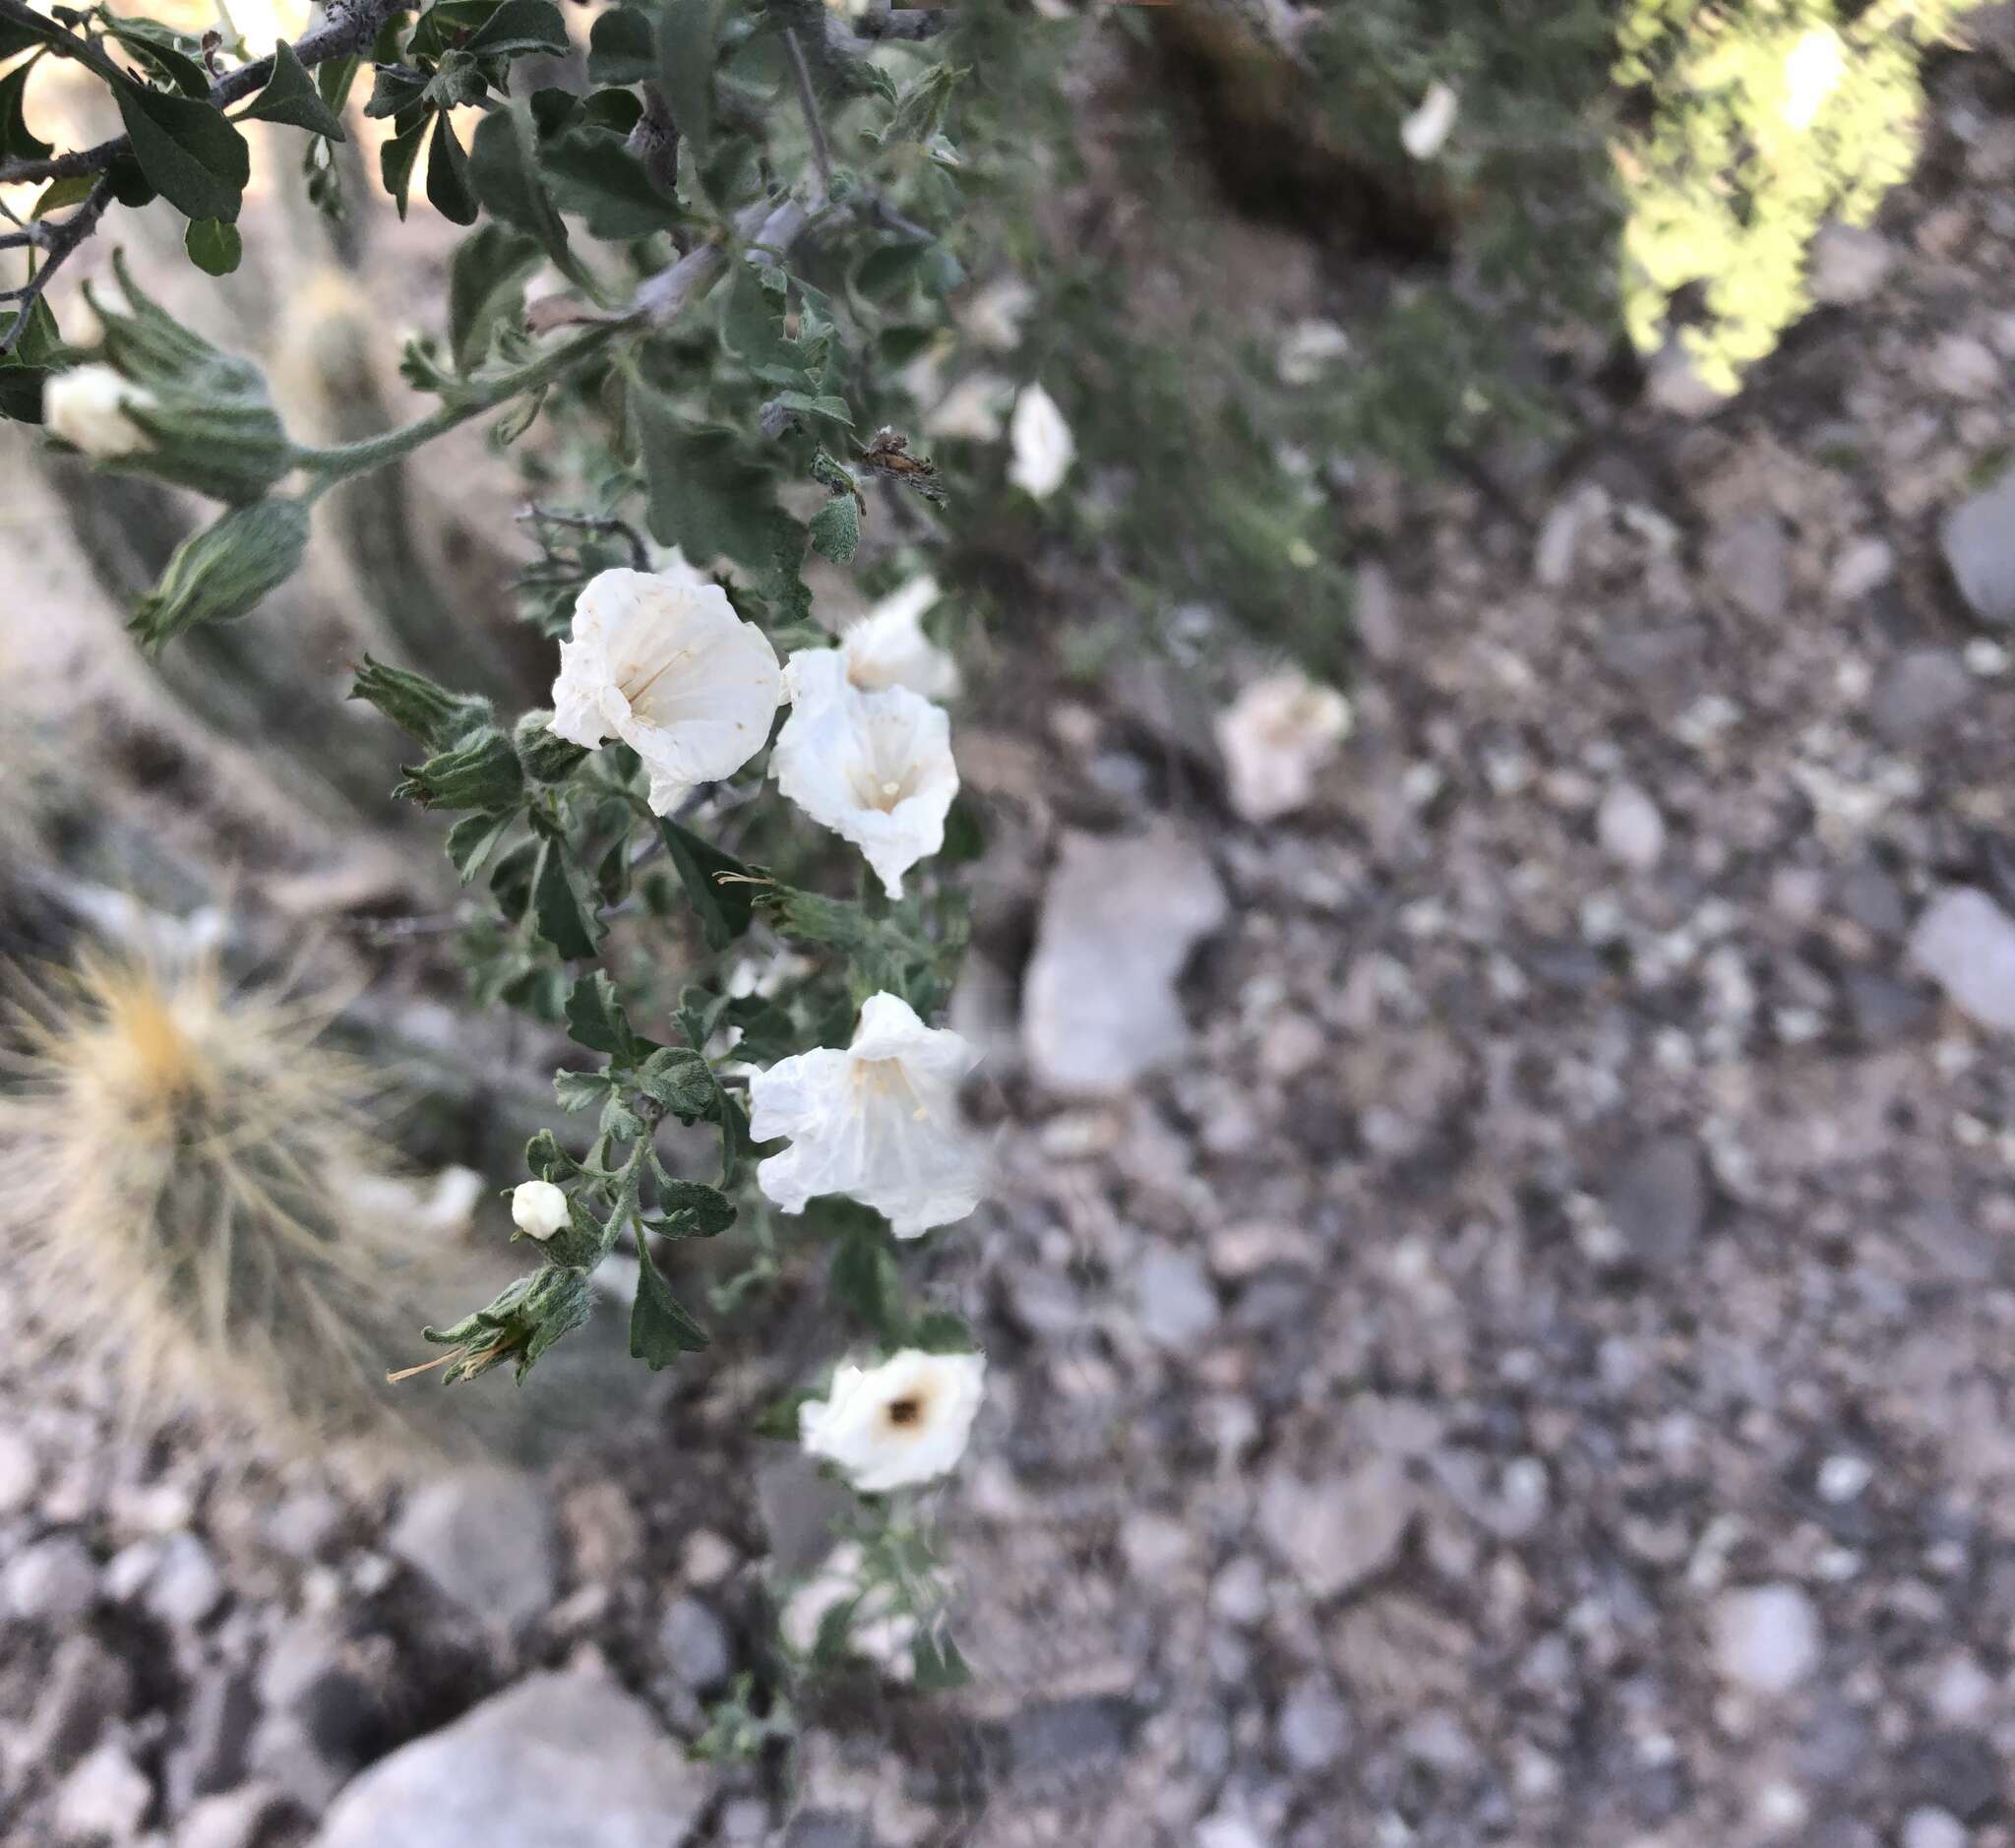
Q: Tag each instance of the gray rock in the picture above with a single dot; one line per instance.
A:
(1658, 1199)
(553, 1762)
(1057, 1741)
(1099, 1008)
(1965, 944)
(1629, 828)
(1883, 1010)
(696, 1645)
(799, 1507)
(20, 1471)
(236, 1818)
(1749, 558)
(1338, 1532)
(485, 1539)
(1847, 264)
(1963, 367)
(1174, 1298)
(1926, 1827)
(104, 1799)
(87, 1687)
(1314, 1727)
(222, 1714)
(54, 1581)
(1979, 541)
(1874, 900)
(826, 1828)
(186, 1586)
(1919, 694)
(1765, 1637)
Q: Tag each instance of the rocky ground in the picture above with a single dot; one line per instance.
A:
(1527, 1364)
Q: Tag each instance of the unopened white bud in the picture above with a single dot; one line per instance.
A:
(87, 407)
(539, 1210)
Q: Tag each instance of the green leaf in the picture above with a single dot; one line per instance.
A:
(291, 99)
(487, 289)
(190, 155)
(444, 23)
(937, 1664)
(72, 191)
(479, 772)
(864, 1278)
(723, 910)
(169, 55)
(691, 1210)
(413, 702)
(595, 1019)
(680, 1078)
(594, 175)
(18, 34)
(579, 1090)
(940, 1333)
(16, 138)
(622, 48)
(521, 27)
(332, 81)
(214, 247)
(394, 92)
(449, 190)
(563, 908)
(22, 373)
(473, 839)
(396, 161)
(507, 181)
(705, 496)
(836, 529)
(661, 1329)
(688, 35)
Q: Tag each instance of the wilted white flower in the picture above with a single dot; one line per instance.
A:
(1276, 737)
(995, 315)
(903, 1422)
(1812, 70)
(878, 1629)
(662, 662)
(878, 1122)
(971, 411)
(1423, 133)
(887, 647)
(875, 767)
(538, 1209)
(87, 407)
(1308, 349)
(1043, 448)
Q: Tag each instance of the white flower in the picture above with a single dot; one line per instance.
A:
(1043, 448)
(1276, 737)
(1427, 128)
(1308, 349)
(971, 411)
(538, 1209)
(662, 662)
(87, 407)
(995, 315)
(1812, 70)
(887, 647)
(903, 1422)
(878, 1122)
(875, 767)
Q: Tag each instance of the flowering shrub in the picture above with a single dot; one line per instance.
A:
(723, 233)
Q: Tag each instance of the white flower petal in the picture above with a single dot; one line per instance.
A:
(87, 407)
(664, 663)
(538, 1209)
(887, 647)
(1424, 131)
(877, 1123)
(903, 1422)
(1277, 737)
(1043, 448)
(875, 768)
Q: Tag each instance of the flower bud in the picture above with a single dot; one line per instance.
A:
(482, 771)
(86, 408)
(224, 571)
(538, 1209)
(415, 703)
(188, 413)
(547, 759)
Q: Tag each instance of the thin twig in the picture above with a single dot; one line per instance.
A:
(801, 75)
(33, 237)
(606, 523)
(354, 26)
(60, 241)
